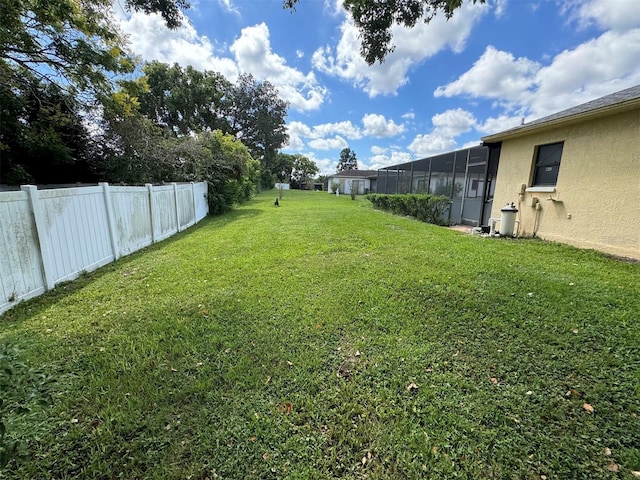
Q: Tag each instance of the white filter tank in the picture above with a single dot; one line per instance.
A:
(508, 220)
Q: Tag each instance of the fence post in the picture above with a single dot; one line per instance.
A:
(110, 220)
(45, 248)
(152, 209)
(175, 195)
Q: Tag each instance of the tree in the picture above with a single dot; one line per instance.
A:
(130, 148)
(185, 100)
(233, 175)
(303, 170)
(257, 116)
(375, 18)
(348, 160)
(283, 166)
(43, 137)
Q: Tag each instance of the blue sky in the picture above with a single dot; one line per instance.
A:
(445, 86)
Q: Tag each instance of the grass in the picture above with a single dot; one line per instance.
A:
(324, 339)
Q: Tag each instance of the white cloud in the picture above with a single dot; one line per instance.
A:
(501, 6)
(345, 128)
(618, 15)
(253, 54)
(447, 126)
(426, 145)
(335, 143)
(496, 74)
(378, 126)
(525, 88)
(326, 166)
(409, 116)
(229, 7)
(379, 161)
(320, 134)
(593, 69)
(150, 39)
(299, 53)
(498, 124)
(378, 150)
(412, 46)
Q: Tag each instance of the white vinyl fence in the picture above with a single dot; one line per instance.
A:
(49, 236)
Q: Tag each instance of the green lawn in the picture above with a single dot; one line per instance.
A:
(324, 339)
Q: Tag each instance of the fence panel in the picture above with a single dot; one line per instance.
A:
(186, 206)
(200, 199)
(132, 212)
(49, 236)
(21, 275)
(164, 212)
(76, 229)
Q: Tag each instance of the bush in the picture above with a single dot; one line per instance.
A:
(424, 207)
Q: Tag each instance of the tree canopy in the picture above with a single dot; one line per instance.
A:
(304, 169)
(348, 160)
(375, 18)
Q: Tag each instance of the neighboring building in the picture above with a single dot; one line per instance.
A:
(575, 175)
(363, 181)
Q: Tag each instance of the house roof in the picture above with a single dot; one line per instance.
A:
(356, 174)
(621, 101)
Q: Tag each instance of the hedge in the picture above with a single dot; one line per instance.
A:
(424, 207)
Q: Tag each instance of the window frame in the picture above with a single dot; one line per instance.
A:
(538, 164)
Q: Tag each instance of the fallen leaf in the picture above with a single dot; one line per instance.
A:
(227, 351)
(265, 457)
(635, 474)
(613, 467)
(252, 439)
(575, 330)
(434, 450)
(543, 477)
(607, 452)
(199, 364)
(287, 407)
(364, 460)
(494, 380)
(173, 369)
(357, 354)
(268, 379)
(289, 363)
(412, 388)
(588, 408)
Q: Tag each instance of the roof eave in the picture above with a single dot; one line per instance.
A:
(568, 120)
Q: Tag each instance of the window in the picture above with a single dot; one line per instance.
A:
(547, 164)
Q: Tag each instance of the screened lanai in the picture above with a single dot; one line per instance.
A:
(466, 176)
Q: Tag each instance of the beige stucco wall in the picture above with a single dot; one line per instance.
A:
(596, 203)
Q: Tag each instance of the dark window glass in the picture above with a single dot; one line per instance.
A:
(547, 164)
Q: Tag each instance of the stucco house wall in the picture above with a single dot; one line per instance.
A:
(596, 200)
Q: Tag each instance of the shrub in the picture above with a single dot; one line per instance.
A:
(424, 207)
